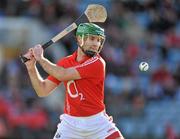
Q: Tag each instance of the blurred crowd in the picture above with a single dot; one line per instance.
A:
(136, 31)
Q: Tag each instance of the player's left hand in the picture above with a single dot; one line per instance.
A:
(38, 52)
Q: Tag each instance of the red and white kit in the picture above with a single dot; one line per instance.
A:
(84, 112)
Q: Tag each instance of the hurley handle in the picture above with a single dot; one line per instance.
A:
(44, 46)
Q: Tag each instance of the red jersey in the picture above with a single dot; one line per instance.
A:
(85, 96)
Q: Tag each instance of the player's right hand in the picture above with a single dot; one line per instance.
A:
(31, 62)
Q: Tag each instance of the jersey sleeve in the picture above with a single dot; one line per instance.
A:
(52, 78)
(91, 69)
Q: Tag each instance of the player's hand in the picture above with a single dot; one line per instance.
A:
(31, 62)
(38, 52)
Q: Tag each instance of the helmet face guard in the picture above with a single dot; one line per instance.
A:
(90, 52)
(89, 29)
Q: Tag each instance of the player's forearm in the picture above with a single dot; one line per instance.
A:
(37, 81)
(52, 69)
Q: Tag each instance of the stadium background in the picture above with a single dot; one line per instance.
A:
(145, 105)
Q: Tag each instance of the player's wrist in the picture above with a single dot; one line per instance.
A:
(31, 68)
(42, 60)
